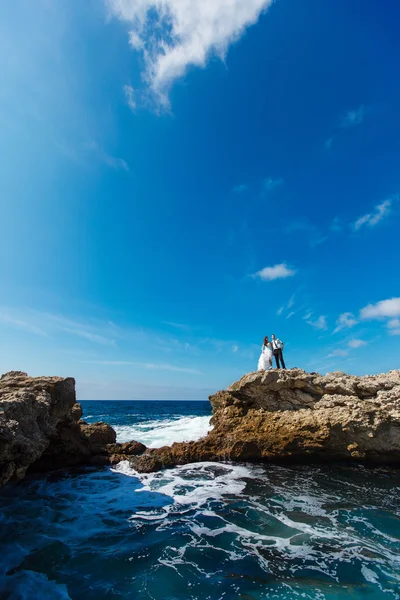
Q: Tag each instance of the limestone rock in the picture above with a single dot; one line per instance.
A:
(41, 430)
(98, 435)
(294, 415)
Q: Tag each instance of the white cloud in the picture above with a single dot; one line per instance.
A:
(280, 311)
(293, 312)
(319, 323)
(353, 117)
(235, 349)
(174, 34)
(385, 308)
(130, 97)
(345, 320)
(356, 343)
(371, 219)
(276, 272)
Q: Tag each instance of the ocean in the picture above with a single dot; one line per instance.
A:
(210, 531)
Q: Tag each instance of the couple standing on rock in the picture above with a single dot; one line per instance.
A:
(268, 350)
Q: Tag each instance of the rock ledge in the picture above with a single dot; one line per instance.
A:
(293, 415)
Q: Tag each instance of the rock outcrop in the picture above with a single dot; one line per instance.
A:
(41, 428)
(266, 416)
(293, 415)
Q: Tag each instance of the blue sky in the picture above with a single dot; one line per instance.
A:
(179, 179)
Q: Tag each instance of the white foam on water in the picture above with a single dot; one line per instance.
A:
(369, 574)
(155, 434)
(319, 542)
(212, 509)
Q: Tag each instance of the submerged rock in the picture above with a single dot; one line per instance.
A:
(41, 430)
(293, 415)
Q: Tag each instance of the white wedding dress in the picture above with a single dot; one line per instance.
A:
(265, 360)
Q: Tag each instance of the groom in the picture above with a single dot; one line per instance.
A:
(277, 347)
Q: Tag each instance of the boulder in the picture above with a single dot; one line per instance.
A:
(291, 415)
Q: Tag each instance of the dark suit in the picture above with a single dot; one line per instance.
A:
(277, 352)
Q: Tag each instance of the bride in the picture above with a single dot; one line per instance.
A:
(265, 360)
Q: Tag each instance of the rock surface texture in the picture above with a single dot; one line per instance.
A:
(293, 415)
(41, 428)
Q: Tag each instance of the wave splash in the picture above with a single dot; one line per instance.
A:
(157, 433)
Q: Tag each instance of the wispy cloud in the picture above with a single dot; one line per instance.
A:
(338, 352)
(235, 348)
(280, 271)
(30, 327)
(111, 161)
(336, 225)
(50, 325)
(144, 365)
(269, 184)
(345, 320)
(130, 97)
(287, 307)
(328, 143)
(318, 241)
(353, 117)
(394, 326)
(239, 189)
(88, 335)
(356, 343)
(115, 163)
(319, 323)
(181, 326)
(352, 344)
(373, 218)
(310, 231)
(172, 35)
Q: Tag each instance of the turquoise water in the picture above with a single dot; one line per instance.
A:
(207, 531)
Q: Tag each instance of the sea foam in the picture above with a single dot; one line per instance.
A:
(156, 433)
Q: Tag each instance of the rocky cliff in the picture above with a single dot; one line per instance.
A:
(41, 428)
(294, 415)
(266, 416)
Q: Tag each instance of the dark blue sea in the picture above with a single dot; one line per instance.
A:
(211, 531)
